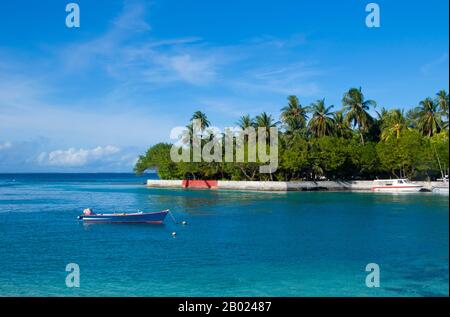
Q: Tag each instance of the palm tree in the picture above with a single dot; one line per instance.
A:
(322, 122)
(294, 114)
(356, 108)
(204, 122)
(382, 115)
(187, 135)
(341, 127)
(443, 100)
(429, 120)
(412, 118)
(266, 121)
(293, 127)
(246, 122)
(392, 124)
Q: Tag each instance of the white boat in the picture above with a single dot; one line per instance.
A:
(441, 188)
(395, 186)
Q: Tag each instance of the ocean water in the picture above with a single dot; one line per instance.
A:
(235, 243)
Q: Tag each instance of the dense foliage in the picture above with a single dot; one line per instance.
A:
(317, 143)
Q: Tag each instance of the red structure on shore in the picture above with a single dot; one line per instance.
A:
(207, 184)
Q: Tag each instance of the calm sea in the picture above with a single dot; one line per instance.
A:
(235, 243)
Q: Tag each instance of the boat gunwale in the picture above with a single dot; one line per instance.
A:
(394, 186)
(130, 214)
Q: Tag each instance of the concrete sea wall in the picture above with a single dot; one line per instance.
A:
(281, 186)
(164, 183)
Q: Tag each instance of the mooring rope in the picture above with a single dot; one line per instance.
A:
(171, 215)
(174, 220)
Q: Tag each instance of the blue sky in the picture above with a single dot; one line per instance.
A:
(94, 97)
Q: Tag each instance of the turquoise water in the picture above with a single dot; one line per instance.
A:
(235, 243)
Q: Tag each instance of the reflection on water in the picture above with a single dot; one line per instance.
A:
(199, 201)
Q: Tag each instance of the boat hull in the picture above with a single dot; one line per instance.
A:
(150, 217)
(397, 189)
(441, 190)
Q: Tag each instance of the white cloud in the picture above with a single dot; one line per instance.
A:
(34, 156)
(28, 109)
(145, 60)
(104, 90)
(132, 18)
(78, 56)
(434, 64)
(5, 145)
(191, 69)
(285, 79)
(77, 157)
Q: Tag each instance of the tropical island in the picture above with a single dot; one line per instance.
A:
(318, 143)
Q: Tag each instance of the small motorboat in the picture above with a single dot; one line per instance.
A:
(89, 216)
(395, 186)
(441, 188)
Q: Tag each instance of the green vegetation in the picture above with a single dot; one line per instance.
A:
(317, 143)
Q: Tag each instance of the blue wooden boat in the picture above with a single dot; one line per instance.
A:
(89, 216)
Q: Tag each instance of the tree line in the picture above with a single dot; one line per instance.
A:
(316, 142)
